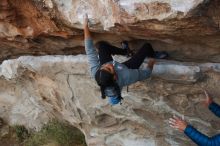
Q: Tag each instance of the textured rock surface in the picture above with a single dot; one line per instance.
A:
(42, 27)
(36, 89)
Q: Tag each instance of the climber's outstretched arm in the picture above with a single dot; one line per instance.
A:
(87, 33)
(91, 53)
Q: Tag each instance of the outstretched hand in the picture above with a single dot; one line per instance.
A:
(87, 34)
(208, 99)
(177, 123)
(86, 20)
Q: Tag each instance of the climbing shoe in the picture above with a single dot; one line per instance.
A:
(161, 55)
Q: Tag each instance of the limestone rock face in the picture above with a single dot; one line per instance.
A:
(42, 27)
(36, 89)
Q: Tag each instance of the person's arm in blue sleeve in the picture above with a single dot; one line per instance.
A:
(146, 71)
(196, 136)
(201, 139)
(144, 74)
(134, 75)
(91, 53)
(215, 108)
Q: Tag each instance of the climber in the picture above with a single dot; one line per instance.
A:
(110, 75)
(199, 138)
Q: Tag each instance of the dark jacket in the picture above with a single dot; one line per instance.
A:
(201, 139)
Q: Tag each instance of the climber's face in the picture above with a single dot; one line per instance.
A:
(109, 68)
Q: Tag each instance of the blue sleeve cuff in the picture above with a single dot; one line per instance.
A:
(88, 42)
(88, 39)
(188, 129)
(149, 71)
(213, 105)
(215, 108)
(144, 74)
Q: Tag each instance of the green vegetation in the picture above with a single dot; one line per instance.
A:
(54, 132)
(21, 133)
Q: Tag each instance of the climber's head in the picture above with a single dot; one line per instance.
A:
(106, 79)
(105, 76)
